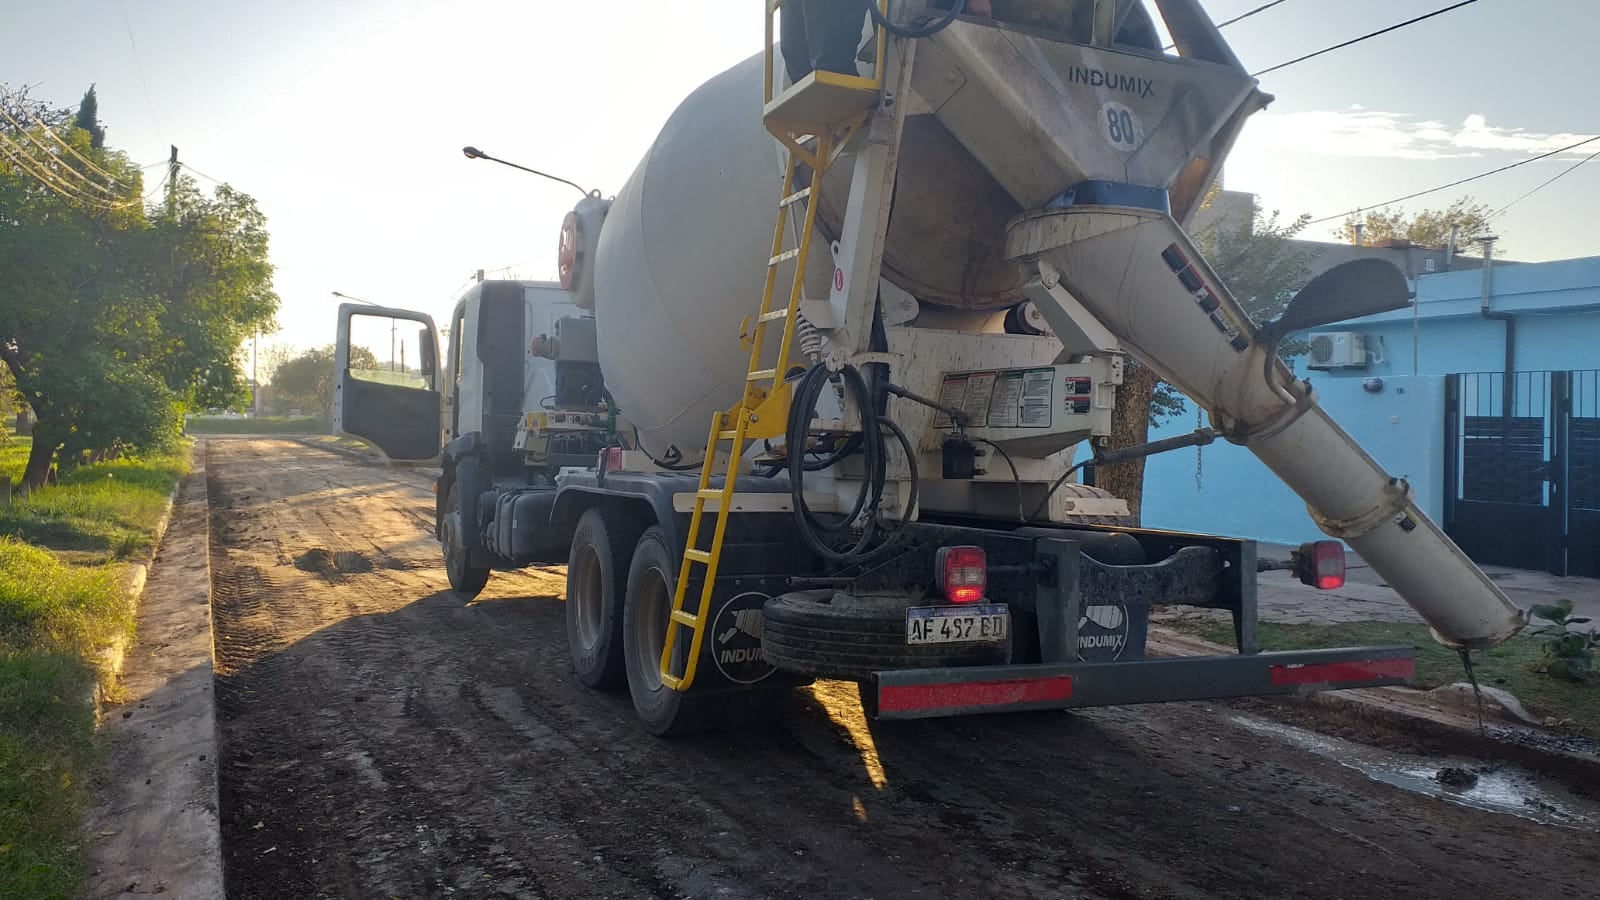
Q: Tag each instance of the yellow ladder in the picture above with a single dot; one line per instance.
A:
(824, 109)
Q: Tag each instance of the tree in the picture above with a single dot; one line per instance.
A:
(1263, 267)
(306, 381)
(114, 318)
(1428, 228)
(88, 119)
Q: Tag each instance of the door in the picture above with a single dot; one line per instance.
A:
(1502, 491)
(379, 394)
(1581, 446)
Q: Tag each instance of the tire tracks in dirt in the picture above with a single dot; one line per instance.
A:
(382, 738)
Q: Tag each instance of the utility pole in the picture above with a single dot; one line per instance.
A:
(255, 382)
(172, 182)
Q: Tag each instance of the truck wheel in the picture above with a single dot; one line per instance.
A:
(652, 577)
(466, 579)
(596, 590)
(830, 640)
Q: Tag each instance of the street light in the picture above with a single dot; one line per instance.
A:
(392, 324)
(475, 153)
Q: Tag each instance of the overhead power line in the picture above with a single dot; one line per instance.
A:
(144, 83)
(1458, 182)
(57, 138)
(67, 190)
(202, 174)
(1242, 16)
(1364, 37)
(1552, 180)
(51, 160)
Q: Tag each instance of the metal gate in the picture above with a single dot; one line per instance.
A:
(1522, 469)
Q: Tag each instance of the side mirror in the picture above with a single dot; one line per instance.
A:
(1350, 290)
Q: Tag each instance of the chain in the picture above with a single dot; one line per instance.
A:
(1199, 452)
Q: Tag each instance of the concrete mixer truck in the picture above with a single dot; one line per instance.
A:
(811, 397)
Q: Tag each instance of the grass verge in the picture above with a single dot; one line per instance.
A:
(1508, 666)
(259, 425)
(61, 602)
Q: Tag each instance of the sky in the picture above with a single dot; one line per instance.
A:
(345, 120)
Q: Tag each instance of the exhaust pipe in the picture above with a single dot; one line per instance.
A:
(1138, 273)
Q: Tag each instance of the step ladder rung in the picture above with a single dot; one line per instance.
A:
(794, 198)
(729, 435)
(700, 556)
(775, 315)
(684, 617)
(785, 256)
(709, 494)
(762, 375)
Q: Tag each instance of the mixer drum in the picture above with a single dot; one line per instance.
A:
(681, 258)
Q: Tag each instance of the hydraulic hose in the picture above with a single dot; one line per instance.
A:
(814, 530)
(928, 30)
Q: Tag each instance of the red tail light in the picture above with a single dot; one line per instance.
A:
(1321, 565)
(962, 573)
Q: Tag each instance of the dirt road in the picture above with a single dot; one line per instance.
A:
(381, 738)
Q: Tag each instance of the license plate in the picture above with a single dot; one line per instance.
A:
(957, 624)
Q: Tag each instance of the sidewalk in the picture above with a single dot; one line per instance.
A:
(1365, 598)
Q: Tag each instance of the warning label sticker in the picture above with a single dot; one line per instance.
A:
(1037, 398)
(1009, 398)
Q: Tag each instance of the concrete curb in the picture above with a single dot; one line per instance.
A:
(1410, 711)
(337, 450)
(367, 456)
(112, 658)
(154, 827)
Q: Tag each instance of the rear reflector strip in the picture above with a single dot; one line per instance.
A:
(971, 694)
(1344, 672)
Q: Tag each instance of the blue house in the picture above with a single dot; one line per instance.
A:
(1509, 464)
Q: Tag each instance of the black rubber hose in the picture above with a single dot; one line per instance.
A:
(812, 528)
(1056, 487)
(911, 464)
(928, 30)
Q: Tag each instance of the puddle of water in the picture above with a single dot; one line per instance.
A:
(1502, 789)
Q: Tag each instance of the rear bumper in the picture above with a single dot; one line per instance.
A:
(932, 693)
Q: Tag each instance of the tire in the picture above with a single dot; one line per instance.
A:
(652, 577)
(808, 637)
(596, 591)
(466, 579)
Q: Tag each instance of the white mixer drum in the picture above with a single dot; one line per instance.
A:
(681, 258)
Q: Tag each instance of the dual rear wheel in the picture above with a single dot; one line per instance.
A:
(620, 583)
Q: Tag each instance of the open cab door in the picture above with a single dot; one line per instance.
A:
(393, 404)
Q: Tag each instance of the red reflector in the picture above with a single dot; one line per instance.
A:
(611, 459)
(1344, 672)
(965, 695)
(962, 573)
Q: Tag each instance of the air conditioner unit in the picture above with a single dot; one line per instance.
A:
(1338, 350)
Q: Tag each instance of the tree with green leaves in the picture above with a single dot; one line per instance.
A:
(1261, 264)
(1427, 228)
(117, 318)
(305, 382)
(88, 119)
